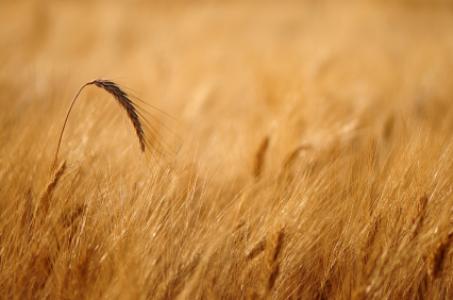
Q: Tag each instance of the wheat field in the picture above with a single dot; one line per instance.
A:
(295, 150)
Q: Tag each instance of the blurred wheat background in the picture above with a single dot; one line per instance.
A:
(313, 153)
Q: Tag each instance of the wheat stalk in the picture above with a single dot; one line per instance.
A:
(122, 98)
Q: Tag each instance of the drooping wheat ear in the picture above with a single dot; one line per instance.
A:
(122, 98)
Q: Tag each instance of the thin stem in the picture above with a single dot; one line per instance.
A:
(65, 122)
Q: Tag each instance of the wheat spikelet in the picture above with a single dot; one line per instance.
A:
(27, 214)
(46, 195)
(256, 250)
(273, 259)
(260, 156)
(292, 157)
(436, 263)
(420, 217)
(278, 244)
(372, 233)
(125, 102)
(389, 128)
(178, 281)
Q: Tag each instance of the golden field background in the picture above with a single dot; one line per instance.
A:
(313, 153)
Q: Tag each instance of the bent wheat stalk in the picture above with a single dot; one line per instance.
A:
(122, 98)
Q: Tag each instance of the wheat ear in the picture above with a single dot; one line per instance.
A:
(439, 256)
(121, 97)
(273, 260)
(46, 195)
(260, 157)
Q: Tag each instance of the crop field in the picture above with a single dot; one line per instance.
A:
(226, 149)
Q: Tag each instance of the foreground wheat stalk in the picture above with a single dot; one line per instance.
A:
(122, 98)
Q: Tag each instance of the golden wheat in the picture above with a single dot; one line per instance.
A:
(318, 165)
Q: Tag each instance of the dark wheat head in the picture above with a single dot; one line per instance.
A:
(125, 102)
